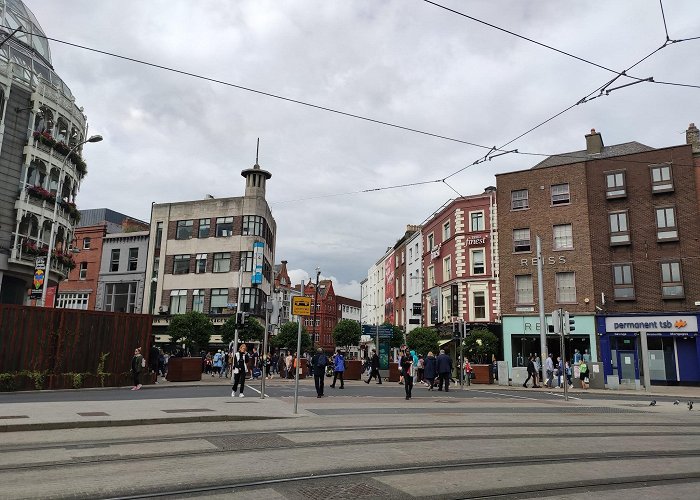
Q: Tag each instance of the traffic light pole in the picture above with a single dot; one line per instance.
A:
(540, 296)
(462, 332)
(298, 367)
(562, 363)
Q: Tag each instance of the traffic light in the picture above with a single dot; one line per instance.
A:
(569, 322)
(456, 332)
(240, 318)
(555, 327)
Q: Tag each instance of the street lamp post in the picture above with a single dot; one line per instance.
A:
(318, 273)
(52, 237)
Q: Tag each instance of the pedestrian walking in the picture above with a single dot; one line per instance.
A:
(267, 363)
(138, 364)
(402, 353)
(444, 369)
(274, 363)
(318, 365)
(420, 370)
(288, 360)
(218, 363)
(531, 373)
(407, 366)
(240, 368)
(567, 371)
(338, 369)
(494, 367)
(374, 368)
(430, 370)
(549, 369)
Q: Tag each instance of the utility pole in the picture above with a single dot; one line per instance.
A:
(540, 296)
(268, 312)
(313, 337)
(298, 367)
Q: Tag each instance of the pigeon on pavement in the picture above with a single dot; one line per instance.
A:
(653, 402)
(676, 402)
(690, 405)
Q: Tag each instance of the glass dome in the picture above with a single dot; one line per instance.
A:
(16, 15)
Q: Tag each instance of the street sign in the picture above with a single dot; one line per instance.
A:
(384, 331)
(301, 306)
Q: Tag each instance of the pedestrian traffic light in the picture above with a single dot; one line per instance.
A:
(456, 332)
(569, 322)
(555, 327)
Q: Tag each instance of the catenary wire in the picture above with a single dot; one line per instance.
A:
(260, 92)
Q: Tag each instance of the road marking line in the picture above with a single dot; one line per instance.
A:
(507, 395)
(254, 389)
(561, 395)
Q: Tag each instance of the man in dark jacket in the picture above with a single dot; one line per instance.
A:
(318, 365)
(444, 368)
(531, 373)
(374, 368)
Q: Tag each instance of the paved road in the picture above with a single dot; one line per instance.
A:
(283, 388)
(466, 444)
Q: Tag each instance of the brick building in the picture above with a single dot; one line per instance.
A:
(401, 251)
(620, 231)
(79, 290)
(212, 255)
(460, 261)
(324, 314)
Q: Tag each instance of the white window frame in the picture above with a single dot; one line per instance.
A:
(557, 244)
(431, 276)
(200, 257)
(564, 294)
(518, 202)
(473, 307)
(178, 302)
(520, 297)
(222, 264)
(560, 194)
(83, 270)
(520, 241)
(472, 268)
(482, 219)
(446, 233)
(198, 300)
(86, 243)
(447, 269)
(218, 299)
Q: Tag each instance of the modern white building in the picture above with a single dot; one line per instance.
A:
(212, 255)
(414, 280)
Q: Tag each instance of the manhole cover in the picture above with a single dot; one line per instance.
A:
(235, 442)
(356, 490)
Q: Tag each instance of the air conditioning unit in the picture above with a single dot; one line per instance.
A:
(163, 309)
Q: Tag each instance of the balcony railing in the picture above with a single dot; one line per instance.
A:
(29, 248)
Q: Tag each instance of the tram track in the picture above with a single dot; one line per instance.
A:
(326, 430)
(539, 490)
(280, 443)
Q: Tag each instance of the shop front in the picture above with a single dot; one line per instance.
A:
(672, 349)
(521, 338)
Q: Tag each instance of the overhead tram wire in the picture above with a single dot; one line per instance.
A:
(260, 92)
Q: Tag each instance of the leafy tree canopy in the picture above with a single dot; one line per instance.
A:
(287, 337)
(194, 329)
(423, 340)
(346, 333)
(480, 345)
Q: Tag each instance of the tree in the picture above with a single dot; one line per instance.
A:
(287, 337)
(423, 340)
(346, 333)
(252, 331)
(194, 329)
(480, 345)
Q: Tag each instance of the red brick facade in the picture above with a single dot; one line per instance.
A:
(91, 257)
(324, 314)
(460, 279)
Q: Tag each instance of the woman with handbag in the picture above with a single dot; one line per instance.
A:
(240, 367)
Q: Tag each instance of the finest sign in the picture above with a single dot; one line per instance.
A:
(301, 306)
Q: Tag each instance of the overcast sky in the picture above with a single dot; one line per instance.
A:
(171, 137)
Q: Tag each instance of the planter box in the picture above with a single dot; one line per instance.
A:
(183, 370)
(353, 369)
(393, 372)
(484, 374)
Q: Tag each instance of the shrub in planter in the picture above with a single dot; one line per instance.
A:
(7, 382)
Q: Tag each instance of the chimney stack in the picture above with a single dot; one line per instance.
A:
(692, 137)
(594, 143)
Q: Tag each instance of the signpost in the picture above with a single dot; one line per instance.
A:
(301, 306)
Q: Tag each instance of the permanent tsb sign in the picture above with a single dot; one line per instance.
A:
(663, 324)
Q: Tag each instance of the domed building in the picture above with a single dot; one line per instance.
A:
(42, 131)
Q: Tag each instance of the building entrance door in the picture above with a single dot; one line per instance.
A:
(628, 367)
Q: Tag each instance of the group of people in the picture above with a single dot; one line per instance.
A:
(561, 372)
